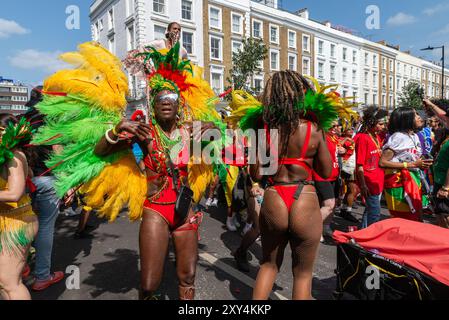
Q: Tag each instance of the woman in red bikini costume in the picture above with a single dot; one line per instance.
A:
(291, 211)
(165, 142)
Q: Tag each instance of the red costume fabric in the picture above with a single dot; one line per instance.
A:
(422, 246)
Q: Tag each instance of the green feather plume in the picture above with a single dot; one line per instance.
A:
(71, 121)
(318, 108)
(12, 137)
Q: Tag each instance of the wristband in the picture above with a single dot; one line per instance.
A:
(445, 189)
(108, 138)
(405, 165)
(114, 132)
(255, 184)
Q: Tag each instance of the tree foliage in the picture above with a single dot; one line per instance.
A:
(411, 95)
(245, 63)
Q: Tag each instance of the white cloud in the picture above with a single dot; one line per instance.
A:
(9, 28)
(40, 60)
(401, 19)
(436, 9)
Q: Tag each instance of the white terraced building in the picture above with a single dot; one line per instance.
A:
(373, 72)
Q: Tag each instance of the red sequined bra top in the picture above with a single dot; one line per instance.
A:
(158, 160)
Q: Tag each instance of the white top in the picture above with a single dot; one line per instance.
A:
(160, 44)
(406, 147)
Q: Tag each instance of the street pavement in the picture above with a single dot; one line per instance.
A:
(108, 263)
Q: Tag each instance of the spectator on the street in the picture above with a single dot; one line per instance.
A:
(254, 194)
(18, 223)
(370, 177)
(45, 201)
(172, 37)
(402, 159)
(349, 189)
(441, 187)
(328, 189)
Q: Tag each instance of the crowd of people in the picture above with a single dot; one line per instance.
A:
(82, 148)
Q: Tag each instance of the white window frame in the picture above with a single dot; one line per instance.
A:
(277, 33)
(220, 51)
(320, 76)
(220, 18)
(333, 76)
(261, 28)
(164, 5)
(278, 60)
(344, 54)
(295, 56)
(354, 56)
(191, 10)
(241, 23)
(344, 75)
(375, 80)
(261, 83)
(321, 52)
(333, 53)
(130, 46)
(159, 26)
(111, 20)
(193, 41)
(354, 76)
(294, 39)
(307, 42)
(130, 7)
(309, 71)
(366, 58)
(232, 45)
(113, 47)
(220, 71)
(366, 78)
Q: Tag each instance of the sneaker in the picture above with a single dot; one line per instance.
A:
(230, 224)
(40, 285)
(209, 202)
(241, 262)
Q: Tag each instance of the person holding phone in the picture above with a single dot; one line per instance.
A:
(402, 157)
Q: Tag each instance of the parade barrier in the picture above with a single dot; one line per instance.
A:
(394, 259)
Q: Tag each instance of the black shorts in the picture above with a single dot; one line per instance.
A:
(441, 205)
(327, 190)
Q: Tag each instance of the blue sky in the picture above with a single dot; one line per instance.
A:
(33, 33)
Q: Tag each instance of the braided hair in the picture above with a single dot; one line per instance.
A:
(282, 93)
(371, 116)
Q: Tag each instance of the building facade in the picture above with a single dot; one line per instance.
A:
(374, 73)
(13, 97)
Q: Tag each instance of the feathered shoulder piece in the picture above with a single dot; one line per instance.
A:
(12, 137)
(318, 108)
(342, 106)
(166, 70)
(246, 111)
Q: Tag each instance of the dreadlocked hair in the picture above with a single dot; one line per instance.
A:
(282, 92)
(371, 115)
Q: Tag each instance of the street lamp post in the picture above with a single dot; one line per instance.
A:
(442, 67)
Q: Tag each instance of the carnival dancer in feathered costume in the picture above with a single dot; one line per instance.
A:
(18, 223)
(294, 116)
(176, 175)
